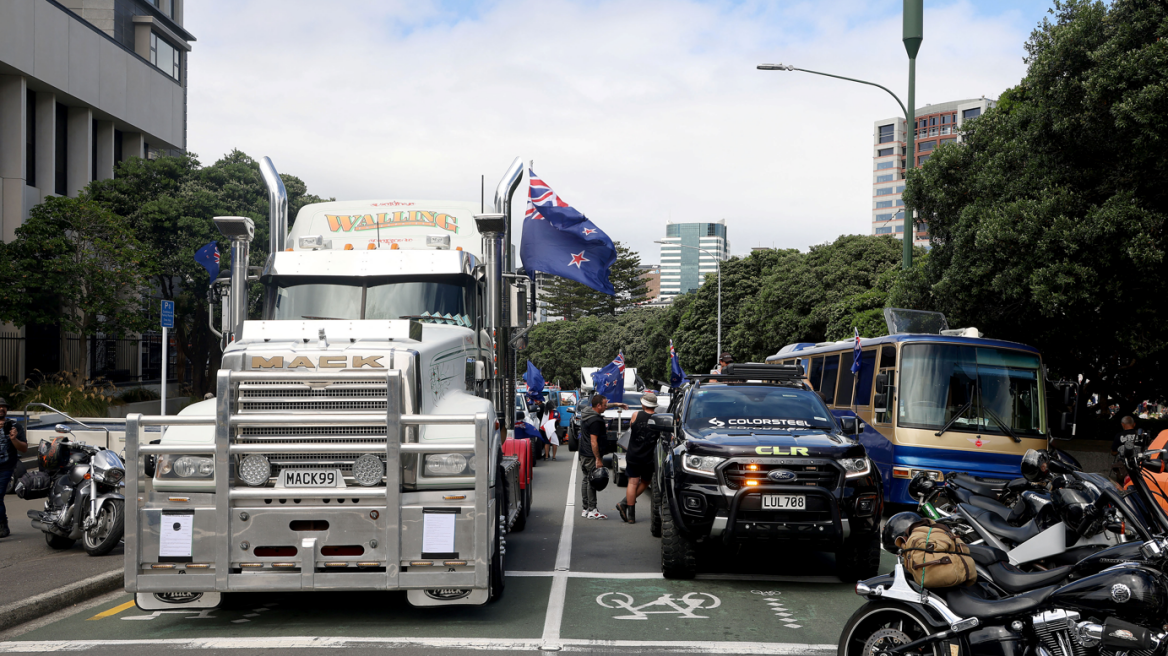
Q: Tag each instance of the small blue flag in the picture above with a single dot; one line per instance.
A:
(561, 241)
(610, 381)
(535, 383)
(208, 257)
(856, 353)
(676, 374)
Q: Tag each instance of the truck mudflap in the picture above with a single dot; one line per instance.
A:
(189, 548)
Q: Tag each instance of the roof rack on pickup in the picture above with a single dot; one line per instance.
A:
(749, 371)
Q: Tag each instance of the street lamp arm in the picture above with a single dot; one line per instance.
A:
(781, 67)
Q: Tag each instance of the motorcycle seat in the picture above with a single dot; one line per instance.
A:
(986, 555)
(971, 483)
(1013, 580)
(965, 496)
(962, 602)
(998, 526)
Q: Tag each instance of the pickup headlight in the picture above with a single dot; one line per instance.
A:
(855, 467)
(449, 464)
(180, 466)
(701, 465)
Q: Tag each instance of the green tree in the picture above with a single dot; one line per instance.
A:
(77, 265)
(1048, 222)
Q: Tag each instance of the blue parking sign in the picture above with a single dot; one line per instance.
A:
(168, 314)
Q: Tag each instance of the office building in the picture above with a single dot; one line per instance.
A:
(83, 84)
(651, 275)
(935, 125)
(691, 251)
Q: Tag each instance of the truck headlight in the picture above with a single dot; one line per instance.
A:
(180, 466)
(449, 464)
(701, 465)
(368, 470)
(255, 470)
(855, 467)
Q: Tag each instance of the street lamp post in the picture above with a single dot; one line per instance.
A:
(718, 268)
(913, 33)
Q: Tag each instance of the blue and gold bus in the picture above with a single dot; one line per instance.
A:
(933, 403)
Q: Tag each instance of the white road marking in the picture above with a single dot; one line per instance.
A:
(692, 600)
(559, 592)
(481, 644)
(589, 575)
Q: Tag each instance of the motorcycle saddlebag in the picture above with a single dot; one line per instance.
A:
(935, 557)
(34, 485)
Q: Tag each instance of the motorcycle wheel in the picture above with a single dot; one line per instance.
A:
(58, 542)
(107, 531)
(878, 626)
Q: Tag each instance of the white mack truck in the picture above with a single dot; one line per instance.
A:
(356, 437)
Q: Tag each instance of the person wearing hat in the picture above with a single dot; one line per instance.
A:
(640, 457)
(723, 360)
(12, 443)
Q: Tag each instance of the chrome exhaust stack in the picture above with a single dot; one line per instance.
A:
(277, 206)
(503, 195)
(493, 229)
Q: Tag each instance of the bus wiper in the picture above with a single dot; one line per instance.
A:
(1002, 424)
(954, 418)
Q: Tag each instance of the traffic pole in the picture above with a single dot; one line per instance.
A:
(164, 345)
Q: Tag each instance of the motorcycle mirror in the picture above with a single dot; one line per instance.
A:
(62, 428)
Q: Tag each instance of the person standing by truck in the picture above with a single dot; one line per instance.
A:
(12, 443)
(639, 457)
(593, 439)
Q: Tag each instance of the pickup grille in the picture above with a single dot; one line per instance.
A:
(810, 474)
(290, 397)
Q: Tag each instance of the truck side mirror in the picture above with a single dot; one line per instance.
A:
(880, 403)
(149, 462)
(850, 425)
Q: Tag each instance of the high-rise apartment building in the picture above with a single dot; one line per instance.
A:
(935, 125)
(690, 251)
(83, 84)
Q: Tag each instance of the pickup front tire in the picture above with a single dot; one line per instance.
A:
(679, 557)
(858, 558)
(654, 508)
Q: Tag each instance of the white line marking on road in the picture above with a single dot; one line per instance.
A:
(559, 592)
(480, 644)
(589, 575)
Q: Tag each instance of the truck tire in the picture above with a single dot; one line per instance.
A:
(654, 508)
(58, 542)
(497, 572)
(521, 516)
(679, 558)
(858, 558)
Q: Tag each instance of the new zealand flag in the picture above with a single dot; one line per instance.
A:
(676, 374)
(561, 241)
(610, 381)
(208, 257)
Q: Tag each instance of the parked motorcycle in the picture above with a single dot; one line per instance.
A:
(1118, 609)
(84, 499)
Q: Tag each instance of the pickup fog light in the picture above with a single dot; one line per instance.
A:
(189, 466)
(368, 470)
(703, 465)
(255, 470)
(448, 464)
(855, 467)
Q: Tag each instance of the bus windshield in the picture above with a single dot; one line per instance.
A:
(391, 300)
(978, 389)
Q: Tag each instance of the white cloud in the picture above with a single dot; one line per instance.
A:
(635, 113)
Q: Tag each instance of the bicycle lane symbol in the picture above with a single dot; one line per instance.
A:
(684, 607)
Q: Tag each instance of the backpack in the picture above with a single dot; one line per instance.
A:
(34, 485)
(935, 557)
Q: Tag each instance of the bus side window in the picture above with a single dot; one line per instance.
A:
(815, 371)
(843, 389)
(866, 377)
(830, 373)
(888, 356)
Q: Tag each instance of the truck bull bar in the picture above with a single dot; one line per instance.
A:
(222, 578)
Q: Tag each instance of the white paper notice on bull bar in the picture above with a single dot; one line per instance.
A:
(175, 535)
(438, 533)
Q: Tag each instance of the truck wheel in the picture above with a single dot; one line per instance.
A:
(858, 558)
(654, 508)
(521, 516)
(497, 574)
(58, 542)
(679, 558)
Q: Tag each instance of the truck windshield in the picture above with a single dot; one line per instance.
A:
(756, 408)
(983, 386)
(391, 300)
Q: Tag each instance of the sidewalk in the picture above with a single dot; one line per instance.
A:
(29, 566)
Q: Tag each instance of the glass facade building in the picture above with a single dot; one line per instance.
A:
(683, 266)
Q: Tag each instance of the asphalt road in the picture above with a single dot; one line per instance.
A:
(589, 586)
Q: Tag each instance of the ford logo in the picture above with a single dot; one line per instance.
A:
(782, 475)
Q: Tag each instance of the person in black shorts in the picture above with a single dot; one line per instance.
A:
(640, 459)
(12, 443)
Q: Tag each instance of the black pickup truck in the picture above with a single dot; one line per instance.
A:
(754, 454)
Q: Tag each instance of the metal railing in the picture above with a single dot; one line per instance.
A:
(227, 490)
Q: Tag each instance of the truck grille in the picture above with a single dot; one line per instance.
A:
(810, 474)
(290, 397)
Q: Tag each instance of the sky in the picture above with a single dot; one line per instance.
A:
(635, 113)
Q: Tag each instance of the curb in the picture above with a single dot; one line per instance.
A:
(50, 602)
